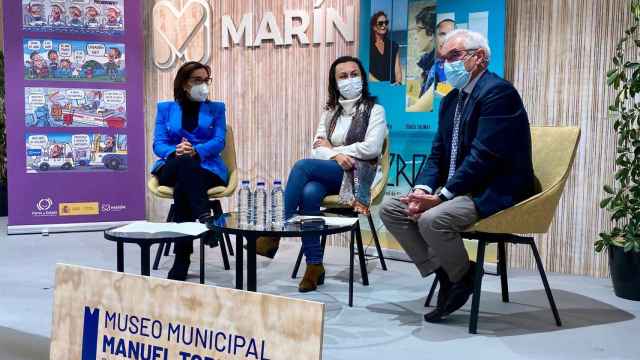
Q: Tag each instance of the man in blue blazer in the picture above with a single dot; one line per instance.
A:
(480, 163)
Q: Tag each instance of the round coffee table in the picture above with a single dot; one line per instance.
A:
(145, 241)
(229, 224)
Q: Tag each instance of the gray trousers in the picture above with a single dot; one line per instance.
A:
(433, 240)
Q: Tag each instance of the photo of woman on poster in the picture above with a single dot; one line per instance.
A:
(384, 55)
(421, 54)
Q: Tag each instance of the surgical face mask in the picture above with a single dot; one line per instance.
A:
(350, 88)
(456, 74)
(199, 92)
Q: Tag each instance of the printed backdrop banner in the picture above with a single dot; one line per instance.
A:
(75, 123)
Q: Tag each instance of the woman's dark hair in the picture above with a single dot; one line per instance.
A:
(334, 93)
(183, 75)
(373, 23)
(427, 18)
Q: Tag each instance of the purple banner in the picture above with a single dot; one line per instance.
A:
(75, 121)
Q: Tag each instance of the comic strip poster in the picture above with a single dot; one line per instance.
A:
(75, 152)
(74, 16)
(75, 69)
(70, 107)
(68, 60)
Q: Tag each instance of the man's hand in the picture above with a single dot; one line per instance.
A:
(322, 142)
(418, 202)
(345, 161)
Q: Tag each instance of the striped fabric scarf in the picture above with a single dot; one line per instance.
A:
(356, 183)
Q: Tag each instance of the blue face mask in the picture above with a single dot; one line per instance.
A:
(456, 74)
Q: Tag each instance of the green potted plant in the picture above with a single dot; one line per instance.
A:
(623, 199)
(3, 143)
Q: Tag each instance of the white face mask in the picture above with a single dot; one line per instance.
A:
(199, 93)
(350, 88)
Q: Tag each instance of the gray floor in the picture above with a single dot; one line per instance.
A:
(385, 323)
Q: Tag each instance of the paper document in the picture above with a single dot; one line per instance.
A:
(328, 220)
(187, 228)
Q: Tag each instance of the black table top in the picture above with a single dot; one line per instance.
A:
(229, 223)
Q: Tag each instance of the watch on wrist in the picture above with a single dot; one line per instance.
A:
(442, 197)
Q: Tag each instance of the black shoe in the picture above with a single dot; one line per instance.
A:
(461, 290)
(180, 268)
(436, 315)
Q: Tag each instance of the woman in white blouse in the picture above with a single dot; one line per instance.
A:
(344, 160)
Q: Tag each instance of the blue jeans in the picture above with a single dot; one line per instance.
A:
(309, 182)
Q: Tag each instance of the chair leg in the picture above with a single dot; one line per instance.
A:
(164, 247)
(297, 265)
(223, 252)
(543, 275)
(374, 233)
(502, 270)
(363, 261)
(477, 287)
(156, 261)
(227, 238)
(427, 303)
(216, 207)
(351, 265)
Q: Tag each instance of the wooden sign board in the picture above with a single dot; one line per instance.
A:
(106, 315)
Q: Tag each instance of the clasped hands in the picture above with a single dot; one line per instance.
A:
(418, 201)
(346, 162)
(185, 148)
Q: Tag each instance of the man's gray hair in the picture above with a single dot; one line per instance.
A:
(472, 40)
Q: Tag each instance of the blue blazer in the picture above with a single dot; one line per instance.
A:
(207, 138)
(494, 163)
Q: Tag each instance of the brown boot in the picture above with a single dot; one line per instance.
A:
(313, 276)
(267, 246)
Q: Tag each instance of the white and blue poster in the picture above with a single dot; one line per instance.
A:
(400, 46)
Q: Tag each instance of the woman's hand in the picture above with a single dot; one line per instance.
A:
(322, 142)
(345, 161)
(184, 148)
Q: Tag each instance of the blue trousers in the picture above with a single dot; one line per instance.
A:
(309, 182)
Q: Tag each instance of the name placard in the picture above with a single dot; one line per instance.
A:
(106, 315)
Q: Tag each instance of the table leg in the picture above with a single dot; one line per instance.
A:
(145, 261)
(239, 265)
(251, 264)
(120, 257)
(202, 260)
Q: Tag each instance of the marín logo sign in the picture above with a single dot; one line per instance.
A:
(178, 29)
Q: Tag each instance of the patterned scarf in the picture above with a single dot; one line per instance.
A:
(356, 183)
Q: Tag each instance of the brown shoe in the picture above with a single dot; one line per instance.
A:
(313, 276)
(267, 246)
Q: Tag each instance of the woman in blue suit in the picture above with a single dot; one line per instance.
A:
(189, 139)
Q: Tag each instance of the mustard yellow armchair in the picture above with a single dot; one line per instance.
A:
(553, 150)
(332, 203)
(215, 193)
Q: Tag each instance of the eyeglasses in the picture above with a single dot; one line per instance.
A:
(382, 23)
(200, 81)
(455, 54)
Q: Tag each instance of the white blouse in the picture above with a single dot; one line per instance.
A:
(370, 148)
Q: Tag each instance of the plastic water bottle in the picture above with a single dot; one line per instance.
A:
(244, 203)
(277, 204)
(260, 206)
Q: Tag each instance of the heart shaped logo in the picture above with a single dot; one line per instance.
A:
(181, 34)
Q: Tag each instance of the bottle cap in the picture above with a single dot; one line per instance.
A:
(260, 183)
(277, 182)
(245, 182)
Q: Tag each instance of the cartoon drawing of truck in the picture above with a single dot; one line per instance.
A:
(99, 117)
